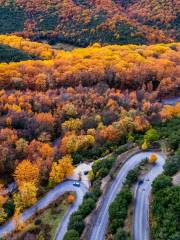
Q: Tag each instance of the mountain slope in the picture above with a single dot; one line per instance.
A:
(84, 22)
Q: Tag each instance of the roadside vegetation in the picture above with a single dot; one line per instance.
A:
(165, 209)
(165, 212)
(100, 169)
(45, 223)
(90, 102)
(118, 210)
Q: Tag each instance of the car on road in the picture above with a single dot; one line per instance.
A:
(86, 172)
(76, 184)
(140, 181)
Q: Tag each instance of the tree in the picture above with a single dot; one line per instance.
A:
(151, 135)
(141, 124)
(76, 223)
(109, 133)
(172, 165)
(3, 199)
(26, 172)
(161, 182)
(152, 158)
(72, 143)
(71, 235)
(120, 235)
(87, 206)
(28, 193)
(70, 198)
(72, 125)
(145, 145)
(3, 215)
(21, 147)
(61, 169)
(3, 195)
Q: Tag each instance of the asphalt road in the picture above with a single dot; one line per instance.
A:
(52, 195)
(101, 224)
(141, 210)
(171, 101)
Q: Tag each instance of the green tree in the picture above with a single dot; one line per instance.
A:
(151, 135)
(161, 182)
(120, 235)
(71, 235)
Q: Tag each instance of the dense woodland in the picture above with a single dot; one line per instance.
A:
(60, 108)
(165, 212)
(83, 22)
(67, 107)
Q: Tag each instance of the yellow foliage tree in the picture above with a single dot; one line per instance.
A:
(3, 215)
(145, 145)
(3, 199)
(62, 169)
(26, 172)
(28, 193)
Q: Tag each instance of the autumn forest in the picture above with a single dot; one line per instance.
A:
(61, 108)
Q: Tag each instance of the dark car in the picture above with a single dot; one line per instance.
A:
(141, 182)
(76, 184)
(86, 172)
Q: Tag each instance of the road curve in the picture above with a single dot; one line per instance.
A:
(170, 101)
(52, 195)
(101, 223)
(141, 210)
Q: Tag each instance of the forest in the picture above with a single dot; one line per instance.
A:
(84, 22)
(67, 107)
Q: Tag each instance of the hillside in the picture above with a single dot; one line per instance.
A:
(62, 109)
(91, 96)
(83, 22)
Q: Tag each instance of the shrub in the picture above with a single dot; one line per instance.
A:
(172, 165)
(76, 223)
(121, 149)
(119, 208)
(132, 176)
(152, 159)
(87, 206)
(37, 222)
(161, 182)
(70, 198)
(120, 235)
(71, 235)
(151, 135)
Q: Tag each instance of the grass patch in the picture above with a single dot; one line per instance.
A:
(45, 223)
(53, 217)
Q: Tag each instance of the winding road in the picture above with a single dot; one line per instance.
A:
(52, 195)
(141, 208)
(140, 223)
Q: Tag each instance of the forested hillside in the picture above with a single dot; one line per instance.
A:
(62, 108)
(83, 22)
(84, 98)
